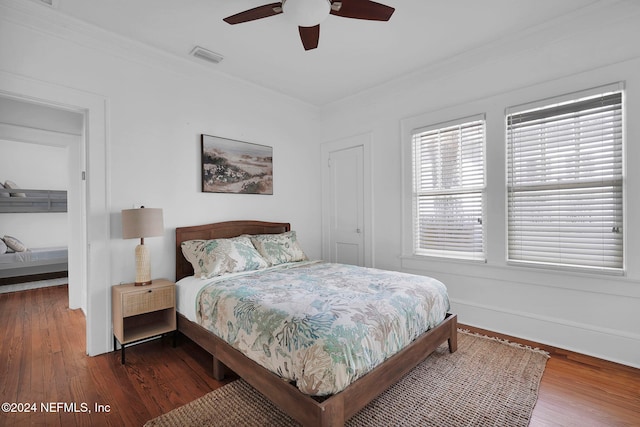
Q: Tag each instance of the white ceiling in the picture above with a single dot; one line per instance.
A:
(353, 55)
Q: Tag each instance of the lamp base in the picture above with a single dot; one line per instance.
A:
(143, 266)
(143, 283)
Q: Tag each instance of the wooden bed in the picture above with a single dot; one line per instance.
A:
(309, 411)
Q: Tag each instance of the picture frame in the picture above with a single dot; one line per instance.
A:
(230, 166)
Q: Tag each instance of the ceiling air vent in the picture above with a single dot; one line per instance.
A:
(207, 55)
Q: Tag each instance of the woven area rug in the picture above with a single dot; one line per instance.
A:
(487, 382)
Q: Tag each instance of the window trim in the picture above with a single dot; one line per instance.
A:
(410, 248)
(549, 102)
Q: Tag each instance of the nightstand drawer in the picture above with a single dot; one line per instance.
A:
(147, 300)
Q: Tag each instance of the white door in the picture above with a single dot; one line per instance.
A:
(346, 206)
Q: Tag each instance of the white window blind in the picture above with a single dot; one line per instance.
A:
(449, 189)
(565, 183)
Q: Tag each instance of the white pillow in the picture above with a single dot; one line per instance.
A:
(3, 194)
(15, 244)
(3, 247)
(10, 185)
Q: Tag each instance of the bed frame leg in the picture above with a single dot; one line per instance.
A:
(333, 415)
(453, 335)
(218, 369)
(453, 344)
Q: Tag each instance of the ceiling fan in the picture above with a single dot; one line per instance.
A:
(308, 14)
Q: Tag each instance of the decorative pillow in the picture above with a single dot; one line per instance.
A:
(3, 194)
(10, 185)
(279, 248)
(3, 247)
(14, 244)
(211, 258)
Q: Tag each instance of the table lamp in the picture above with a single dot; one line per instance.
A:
(141, 223)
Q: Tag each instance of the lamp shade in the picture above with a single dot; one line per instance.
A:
(141, 223)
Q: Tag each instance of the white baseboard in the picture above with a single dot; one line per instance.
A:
(608, 344)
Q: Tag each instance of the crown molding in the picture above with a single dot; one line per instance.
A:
(607, 14)
(51, 22)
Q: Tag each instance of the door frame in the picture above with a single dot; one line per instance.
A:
(361, 140)
(95, 159)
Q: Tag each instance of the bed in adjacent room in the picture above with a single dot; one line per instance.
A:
(33, 264)
(320, 340)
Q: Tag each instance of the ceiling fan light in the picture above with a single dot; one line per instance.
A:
(306, 13)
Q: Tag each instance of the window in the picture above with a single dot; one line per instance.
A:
(449, 189)
(565, 181)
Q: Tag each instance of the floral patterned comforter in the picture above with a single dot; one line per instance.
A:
(321, 325)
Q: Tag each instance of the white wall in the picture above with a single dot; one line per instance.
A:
(37, 167)
(157, 107)
(589, 313)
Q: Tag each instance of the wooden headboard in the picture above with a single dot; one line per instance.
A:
(220, 230)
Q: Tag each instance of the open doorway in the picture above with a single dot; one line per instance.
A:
(41, 148)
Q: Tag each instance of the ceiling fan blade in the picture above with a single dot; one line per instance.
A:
(362, 9)
(255, 13)
(309, 36)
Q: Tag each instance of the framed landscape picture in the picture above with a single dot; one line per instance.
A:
(230, 166)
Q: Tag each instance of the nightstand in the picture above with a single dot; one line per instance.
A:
(142, 312)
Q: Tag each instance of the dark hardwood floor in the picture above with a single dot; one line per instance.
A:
(43, 363)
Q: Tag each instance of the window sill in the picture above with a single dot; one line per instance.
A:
(561, 278)
(591, 271)
(418, 261)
